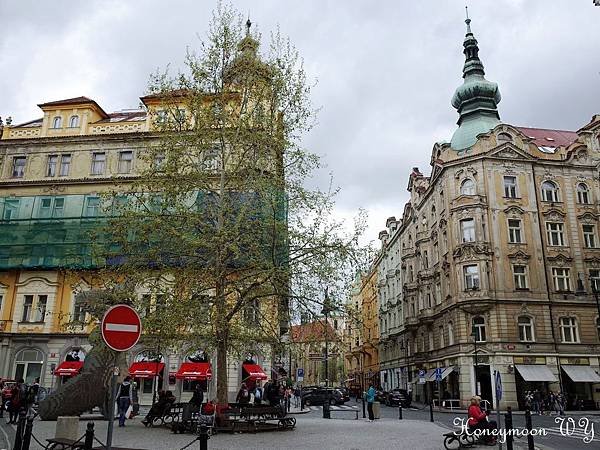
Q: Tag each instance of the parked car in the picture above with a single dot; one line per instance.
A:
(320, 396)
(398, 397)
(345, 393)
(380, 396)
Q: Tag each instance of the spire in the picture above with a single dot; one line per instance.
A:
(476, 99)
(248, 25)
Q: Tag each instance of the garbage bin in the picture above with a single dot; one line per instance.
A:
(377, 410)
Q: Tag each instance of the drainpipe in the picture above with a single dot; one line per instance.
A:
(538, 207)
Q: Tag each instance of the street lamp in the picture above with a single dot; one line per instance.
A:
(404, 346)
(326, 310)
(474, 335)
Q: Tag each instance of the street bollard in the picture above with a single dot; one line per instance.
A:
(399, 411)
(203, 437)
(27, 434)
(431, 411)
(326, 411)
(528, 425)
(363, 402)
(20, 430)
(508, 425)
(89, 436)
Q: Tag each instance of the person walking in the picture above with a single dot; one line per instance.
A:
(370, 397)
(135, 400)
(124, 399)
(258, 393)
(243, 395)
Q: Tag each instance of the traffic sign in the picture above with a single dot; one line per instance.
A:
(299, 374)
(498, 386)
(438, 374)
(421, 376)
(121, 327)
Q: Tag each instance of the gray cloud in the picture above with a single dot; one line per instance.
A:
(386, 70)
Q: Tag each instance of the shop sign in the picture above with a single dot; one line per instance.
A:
(529, 360)
(575, 361)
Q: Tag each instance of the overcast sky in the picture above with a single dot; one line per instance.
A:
(386, 70)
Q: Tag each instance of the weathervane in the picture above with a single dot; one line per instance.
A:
(467, 20)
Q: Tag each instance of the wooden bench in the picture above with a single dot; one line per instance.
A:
(64, 444)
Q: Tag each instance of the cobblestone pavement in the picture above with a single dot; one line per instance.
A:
(310, 433)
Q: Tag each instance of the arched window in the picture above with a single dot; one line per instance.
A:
(583, 194)
(74, 122)
(525, 329)
(569, 330)
(433, 214)
(57, 122)
(28, 364)
(450, 333)
(467, 187)
(549, 191)
(478, 332)
(504, 137)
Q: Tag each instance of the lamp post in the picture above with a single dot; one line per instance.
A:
(474, 335)
(326, 310)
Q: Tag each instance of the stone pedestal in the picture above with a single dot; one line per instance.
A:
(67, 427)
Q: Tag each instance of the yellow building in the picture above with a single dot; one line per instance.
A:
(53, 171)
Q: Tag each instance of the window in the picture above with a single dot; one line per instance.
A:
(471, 276)
(569, 331)
(18, 169)
(425, 259)
(28, 365)
(125, 161)
(555, 231)
(79, 312)
(410, 274)
(51, 207)
(510, 187)
(430, 341)
(595, 280)
(42, 302)
(525, 329)
(450, 333)
(432, 214)
(11, 209)
(562, 279)
(520, 276)
(467, 229)
(598, 327)
(51, 168)
(441, 334)
(74, 122)
(211, 159)
(57, 122)
(92, 207)
(65, 165)
(514, 231)
(589, 236)
(549, 191)
(159, 161)
(27, 308)
(583, 194)
(467, 187)
(98, 162)
(504, 137)
(478, 331)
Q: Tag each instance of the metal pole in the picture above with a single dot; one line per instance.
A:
(400, 410)
(497, 411)
(89, 436)
(326, 351)
(508, 426)
(530, 445)
(476, 367)
(27, 434)
(111, 408)
(431, 409)
(20, 430)
(203, 437)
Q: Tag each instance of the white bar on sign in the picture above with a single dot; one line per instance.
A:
(121, 327)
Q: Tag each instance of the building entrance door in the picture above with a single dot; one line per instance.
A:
(484, 379)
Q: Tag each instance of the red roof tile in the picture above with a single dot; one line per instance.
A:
(68, 101)
(543, 137)
(313, 332)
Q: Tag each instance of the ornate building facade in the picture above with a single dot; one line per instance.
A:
(499, 256)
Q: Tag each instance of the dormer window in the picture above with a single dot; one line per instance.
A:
(467, 187)
(504, 137)
(57, 122)
(74, 122)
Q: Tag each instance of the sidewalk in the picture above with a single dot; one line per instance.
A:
(503, 411)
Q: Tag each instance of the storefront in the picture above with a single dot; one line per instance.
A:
(147, 371)
(252, 374)
(28, 364)
(578, 380)
(530, 378)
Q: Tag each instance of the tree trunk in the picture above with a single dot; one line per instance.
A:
(222, 372)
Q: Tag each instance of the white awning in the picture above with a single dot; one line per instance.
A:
(532, 372)
(582, 374)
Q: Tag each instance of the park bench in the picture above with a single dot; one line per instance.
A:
(254, 418)
(64, 444)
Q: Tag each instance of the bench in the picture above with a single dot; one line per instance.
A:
(353, 410)
(254, 418)
(64, 444)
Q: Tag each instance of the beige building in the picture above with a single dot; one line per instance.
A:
(499, 256)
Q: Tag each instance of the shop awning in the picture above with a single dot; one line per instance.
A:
(533, 372)
(194, 371)
(145, 369)
(68, 368)
(254, 372)
(447, 371)
(582, 374)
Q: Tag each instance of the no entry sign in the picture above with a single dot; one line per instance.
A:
(121, 327)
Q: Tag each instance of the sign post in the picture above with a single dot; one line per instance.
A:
(121, 329)
(299, 375)
(498, 386)
(421, 376)
(438, 378)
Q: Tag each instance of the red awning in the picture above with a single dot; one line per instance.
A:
(68, 368)
(254, 372)
(145, 369)
(194, 371)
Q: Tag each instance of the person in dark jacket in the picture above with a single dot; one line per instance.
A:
(243, 396)
(124, 399)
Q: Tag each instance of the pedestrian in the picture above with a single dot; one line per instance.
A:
(197, 398)
(124, 399)
(17, 398)
(31, 397)
(243, 395)
(135, 400)
(370, 397)
(1, 398)
(258, 393)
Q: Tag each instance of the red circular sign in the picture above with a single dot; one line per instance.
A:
(121, 327)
